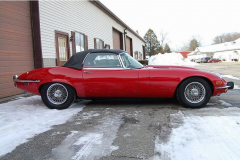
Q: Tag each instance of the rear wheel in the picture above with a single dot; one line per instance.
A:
(194, 92)
(57, 95)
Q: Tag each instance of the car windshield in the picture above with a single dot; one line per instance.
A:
(130, 62)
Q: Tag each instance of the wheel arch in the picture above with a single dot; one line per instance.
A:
(206, 79)
(40, 87)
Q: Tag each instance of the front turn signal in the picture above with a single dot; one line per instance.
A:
(219, 83)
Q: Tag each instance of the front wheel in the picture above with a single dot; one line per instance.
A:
(57, 95)
(194, 92)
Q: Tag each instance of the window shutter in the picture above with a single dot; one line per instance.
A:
(95, 43)
(73, 42)
(103, 44)
(86, 42)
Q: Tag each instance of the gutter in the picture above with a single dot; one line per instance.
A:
(113, 16)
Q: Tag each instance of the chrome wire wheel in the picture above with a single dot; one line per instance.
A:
(194, 92)
(57, 93)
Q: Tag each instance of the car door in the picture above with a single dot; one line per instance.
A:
(104, 76)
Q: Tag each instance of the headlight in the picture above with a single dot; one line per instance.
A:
(219, 75)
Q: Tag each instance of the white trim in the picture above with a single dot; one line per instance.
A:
(104, 68)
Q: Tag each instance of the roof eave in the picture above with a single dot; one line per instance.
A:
(112, 15)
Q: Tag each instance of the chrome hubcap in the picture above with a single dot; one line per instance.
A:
(57, 93)
(195, 92)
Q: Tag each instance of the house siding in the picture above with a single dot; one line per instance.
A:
(81, 16)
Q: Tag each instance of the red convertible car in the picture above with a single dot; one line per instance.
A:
(109, 73)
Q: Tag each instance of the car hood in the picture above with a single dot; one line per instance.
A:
(170, 67)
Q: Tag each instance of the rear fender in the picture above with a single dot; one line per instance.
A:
(57, 81)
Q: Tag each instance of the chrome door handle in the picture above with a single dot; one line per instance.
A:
(87, 72)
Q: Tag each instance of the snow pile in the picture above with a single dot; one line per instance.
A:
(24, 118)
(170, 59)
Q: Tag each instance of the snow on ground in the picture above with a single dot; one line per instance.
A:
(24, 118)
(223, 103)
(231, 77)
(92, 143)
(210, 136)
(236, 86)
(170, 59)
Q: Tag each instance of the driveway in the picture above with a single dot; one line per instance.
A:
(125, 129)
(230, 70)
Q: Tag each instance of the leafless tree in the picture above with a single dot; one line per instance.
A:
(226, 37)
(185, 47)
(163, 38)
(192, 44)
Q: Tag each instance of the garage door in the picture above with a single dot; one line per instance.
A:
(117, 39)
(129, 45)
(16, 53)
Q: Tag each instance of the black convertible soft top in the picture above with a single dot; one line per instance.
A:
(77, 59)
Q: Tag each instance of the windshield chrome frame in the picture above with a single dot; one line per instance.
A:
(120, 58)
(122, 61)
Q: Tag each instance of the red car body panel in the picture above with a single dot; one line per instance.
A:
(151, 81)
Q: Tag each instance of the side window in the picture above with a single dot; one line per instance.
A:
(102, 60)
(98, 43)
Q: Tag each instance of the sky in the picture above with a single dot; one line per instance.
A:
(180, 19)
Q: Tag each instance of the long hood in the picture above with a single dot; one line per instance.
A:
(180, 72)
(170, 67)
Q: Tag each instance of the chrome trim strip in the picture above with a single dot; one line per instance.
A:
(222, 87)
(120, 60)
(15, 79)
(104, 68)
(26, 81)
(85, 59)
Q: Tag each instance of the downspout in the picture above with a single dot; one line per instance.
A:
(124, 33)
(36, 34)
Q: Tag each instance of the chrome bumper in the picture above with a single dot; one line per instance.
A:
(15, 79)
(222, 87)
(230, 85)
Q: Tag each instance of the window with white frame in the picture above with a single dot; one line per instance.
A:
(140, 56)
(80, 42)
(136, 54)
(99, 43)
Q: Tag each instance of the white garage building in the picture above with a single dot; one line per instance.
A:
(75, 26)
(228, 51)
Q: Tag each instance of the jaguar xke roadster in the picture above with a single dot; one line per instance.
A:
(110, 73)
